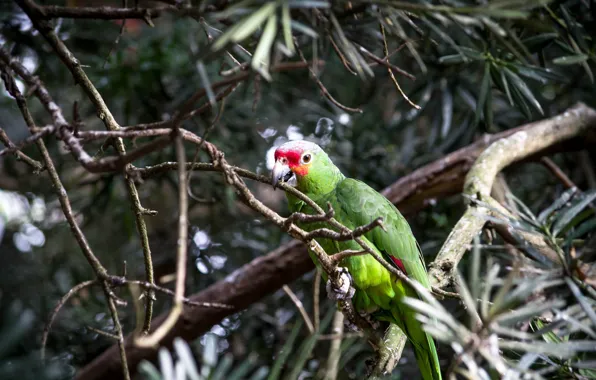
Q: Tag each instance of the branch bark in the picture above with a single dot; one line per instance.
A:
(268, 273)
(479, 181)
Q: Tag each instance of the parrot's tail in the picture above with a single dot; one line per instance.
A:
(423, 344)
(428, 360)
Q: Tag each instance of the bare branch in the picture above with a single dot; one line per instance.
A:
(12, 148)
(300, 308)
(322, 87)
(46, 330)
(181, 253)
(43, 26)
(111, 13)
(385, 62)
(557, 172)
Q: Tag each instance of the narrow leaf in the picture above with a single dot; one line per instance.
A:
(261, 57)
(568, 215)
(557, 204)
(285, 352)
(484, 89)
(286, 21)
(523, 88)
(570, 59)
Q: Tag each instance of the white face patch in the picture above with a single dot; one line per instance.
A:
(302, 145)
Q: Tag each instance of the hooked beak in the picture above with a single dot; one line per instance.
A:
(280, 172)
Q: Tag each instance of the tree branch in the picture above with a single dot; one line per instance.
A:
(479, 182)
(43, 26)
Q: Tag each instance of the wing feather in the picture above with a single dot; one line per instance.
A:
(363, 204)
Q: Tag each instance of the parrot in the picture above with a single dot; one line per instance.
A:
(376, 291)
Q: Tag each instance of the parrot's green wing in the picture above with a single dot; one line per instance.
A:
(362, 204)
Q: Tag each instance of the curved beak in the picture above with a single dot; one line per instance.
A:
(280, 172)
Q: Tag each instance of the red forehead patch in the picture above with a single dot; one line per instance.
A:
(292, 155)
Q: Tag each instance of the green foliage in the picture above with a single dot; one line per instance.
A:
(547, 296)
(294, 360)
(480, 67)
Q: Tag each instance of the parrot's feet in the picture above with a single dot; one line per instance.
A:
(351, 326)
(345, 291)
(368, 317)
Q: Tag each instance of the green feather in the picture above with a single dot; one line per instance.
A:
(377, 290)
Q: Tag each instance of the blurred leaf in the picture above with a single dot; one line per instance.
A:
(566, 218)
(186, 358)
(570, 59)
(300, 27)
(540, 41)
(149, 371)
(563, 350)
(206, 84)
(305, 350)
(223, 367)
(243, 369)
(583, 302)
(17, 330)
(557, 204)
(447, 109)
(166, 364)
(528, 311)
(539, 74)
(523, 89)
(483, 94)
(285, 351)
(261, 57)
(247, 26)
(286, 21)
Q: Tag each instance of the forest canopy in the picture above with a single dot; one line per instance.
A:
(141, 236)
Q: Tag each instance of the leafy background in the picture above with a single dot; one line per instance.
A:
(481, 67)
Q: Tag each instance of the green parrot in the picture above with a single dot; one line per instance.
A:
(378, 292)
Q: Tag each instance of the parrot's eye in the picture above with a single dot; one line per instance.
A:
(306, 158)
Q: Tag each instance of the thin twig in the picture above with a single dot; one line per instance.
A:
(343, 59)
(385, 62)
(338, 257)
(99, 269)
(557, 172)
(12, 148)
(198, 149)
(181, 252)
(300, 308)
(322, 87)
(187, 301)
(104, 333)
(112, 13)
(390, 70)
(36, 15)
(119, 333)
(44, 96)
(186, 111)
(46, 330)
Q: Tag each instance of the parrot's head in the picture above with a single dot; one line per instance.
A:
(302, 164)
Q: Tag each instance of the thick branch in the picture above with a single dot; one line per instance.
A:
(111, 13)
(478, 185)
